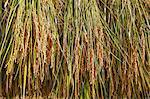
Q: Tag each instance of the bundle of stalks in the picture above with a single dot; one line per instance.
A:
(75, 49)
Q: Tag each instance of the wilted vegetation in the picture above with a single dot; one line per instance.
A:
(88, 49)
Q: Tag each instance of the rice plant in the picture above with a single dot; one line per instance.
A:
(71, 49)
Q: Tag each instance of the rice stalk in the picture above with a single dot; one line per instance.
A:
(74, 49)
